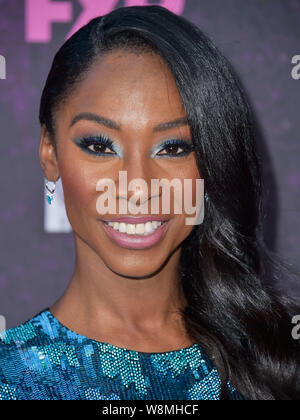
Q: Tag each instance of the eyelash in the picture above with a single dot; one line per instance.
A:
(186, 147)
(86, 142)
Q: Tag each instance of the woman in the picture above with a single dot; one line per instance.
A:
(156, 308)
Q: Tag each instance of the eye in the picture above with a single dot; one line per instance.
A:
(175, 148)
(97, 145)
(99, 148)
(172, 150)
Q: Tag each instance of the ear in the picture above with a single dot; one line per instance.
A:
(48, 157)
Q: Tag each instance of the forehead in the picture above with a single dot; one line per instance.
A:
(128, 87)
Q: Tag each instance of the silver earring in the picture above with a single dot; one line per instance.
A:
(206, 197)
(50, 191)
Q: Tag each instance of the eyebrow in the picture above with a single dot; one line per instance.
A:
(115, 126)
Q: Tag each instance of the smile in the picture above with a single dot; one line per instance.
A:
(138, 235)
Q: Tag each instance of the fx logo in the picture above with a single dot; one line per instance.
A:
(39, 15)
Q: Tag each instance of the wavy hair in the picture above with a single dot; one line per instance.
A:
(232, 310)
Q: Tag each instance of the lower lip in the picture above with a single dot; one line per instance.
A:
(136, 241)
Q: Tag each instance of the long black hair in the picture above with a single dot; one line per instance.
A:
(232, 311)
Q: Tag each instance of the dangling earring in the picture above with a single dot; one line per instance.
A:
(50, 192)
(206, 197)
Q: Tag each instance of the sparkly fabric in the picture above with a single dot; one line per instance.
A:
(42, 359)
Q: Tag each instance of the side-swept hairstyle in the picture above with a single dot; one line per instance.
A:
(242, 324)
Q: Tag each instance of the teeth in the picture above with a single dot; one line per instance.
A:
(122, 227)
(140, 228)
(148, 227)
(130, 229)
(136, 229)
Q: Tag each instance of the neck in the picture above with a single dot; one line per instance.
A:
(109, 302)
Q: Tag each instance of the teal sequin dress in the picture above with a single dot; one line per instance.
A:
(42, 359)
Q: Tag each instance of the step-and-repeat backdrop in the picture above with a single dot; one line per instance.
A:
(261, 38)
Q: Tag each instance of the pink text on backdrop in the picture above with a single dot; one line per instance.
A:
(39, 15)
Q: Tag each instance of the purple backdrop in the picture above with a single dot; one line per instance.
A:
(259, 37)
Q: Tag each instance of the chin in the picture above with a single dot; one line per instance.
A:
(135, 266)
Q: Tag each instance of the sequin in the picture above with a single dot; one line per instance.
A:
(42, 359)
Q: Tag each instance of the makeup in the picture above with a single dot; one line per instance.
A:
(102, 145)
(177, 148)
(99, 145)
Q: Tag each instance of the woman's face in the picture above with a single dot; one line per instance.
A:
(139, 94)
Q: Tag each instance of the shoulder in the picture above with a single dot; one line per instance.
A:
(19, 350)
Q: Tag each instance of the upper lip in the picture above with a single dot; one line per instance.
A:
(137, 219)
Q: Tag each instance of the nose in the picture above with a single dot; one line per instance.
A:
(135, 179)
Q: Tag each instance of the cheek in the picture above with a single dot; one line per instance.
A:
(79, 186)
